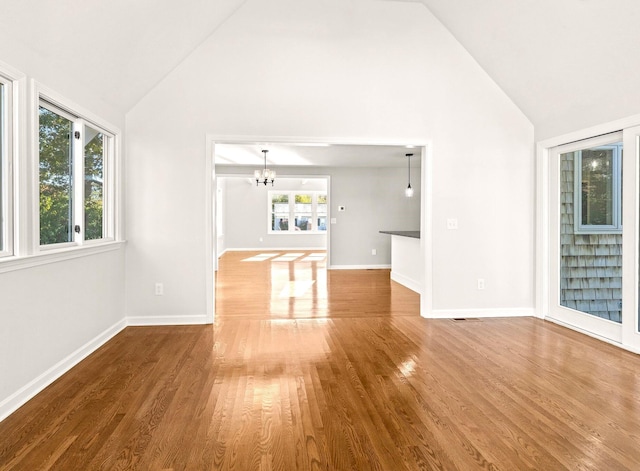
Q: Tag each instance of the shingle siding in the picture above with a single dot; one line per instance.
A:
(591, 264)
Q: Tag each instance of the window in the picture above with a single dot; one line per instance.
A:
(297, 212)
(303, 212)
(598, 189)
(73, 192)
(95, 144)
(279, 212)
(321, 213)
(6, 186)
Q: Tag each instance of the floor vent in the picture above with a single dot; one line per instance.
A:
(470, 319)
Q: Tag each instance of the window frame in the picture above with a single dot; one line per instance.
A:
(81, 119)
(21, 174)
(7, 187)
(292, 197)
(616, 190)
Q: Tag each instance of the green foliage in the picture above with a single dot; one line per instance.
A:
(93, 187)
(56, 180)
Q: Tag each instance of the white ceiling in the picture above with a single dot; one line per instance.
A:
(123, 48)
(566, 64)
(334, 155)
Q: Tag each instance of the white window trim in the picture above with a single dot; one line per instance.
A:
(6, 166)
(14, 83)
(23, 162)
(292, 193)
(616, 227)
(43, 95)
(59, 255)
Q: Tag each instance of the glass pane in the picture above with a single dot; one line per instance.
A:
(279, 212)
(55, 178)
(94, 151)
(591, 264)
(597, 187)
(303, 212)
(322, 213)
(304, 222)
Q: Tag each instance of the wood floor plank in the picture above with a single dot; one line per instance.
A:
(338, 375)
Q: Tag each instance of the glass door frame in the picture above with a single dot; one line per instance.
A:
(598, 326)
(631, 239)
(626, 334)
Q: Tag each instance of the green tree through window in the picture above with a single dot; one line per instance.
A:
(56, 178)
(60, 137)
(93, 185)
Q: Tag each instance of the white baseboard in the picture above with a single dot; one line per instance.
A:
(12, 403)
(359, 267)
(470, 313)
(274, 249)
(166, 320)
(28, 391)
(407, 282)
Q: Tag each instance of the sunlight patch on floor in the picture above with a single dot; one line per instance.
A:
(288, 257)
(314, 257)
(260, 257)
(296, 289)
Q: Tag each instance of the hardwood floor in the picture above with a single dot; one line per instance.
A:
(299, 286)
(345, 392)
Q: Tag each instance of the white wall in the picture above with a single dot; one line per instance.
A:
(366, 71)
(45, 71)
(49, 313)
(247, 220)
(53, 314)
(374, 201)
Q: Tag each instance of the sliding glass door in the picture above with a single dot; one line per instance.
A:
(587, 235)
(631, 240)
(593, 203)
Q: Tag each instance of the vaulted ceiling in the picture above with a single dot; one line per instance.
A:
(566, 63)
(121, 48)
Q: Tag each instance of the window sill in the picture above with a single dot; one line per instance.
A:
(54, 256)
(297, 233)
(602, 232)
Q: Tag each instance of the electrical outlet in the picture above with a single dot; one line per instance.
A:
(480, 283)
(452, 223)
(159, 289)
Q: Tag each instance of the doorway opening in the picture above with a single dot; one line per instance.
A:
(365, 193)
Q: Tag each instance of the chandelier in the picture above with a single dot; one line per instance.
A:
(265, 175)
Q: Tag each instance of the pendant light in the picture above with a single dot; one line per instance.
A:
(265, 175)
(408, 192)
